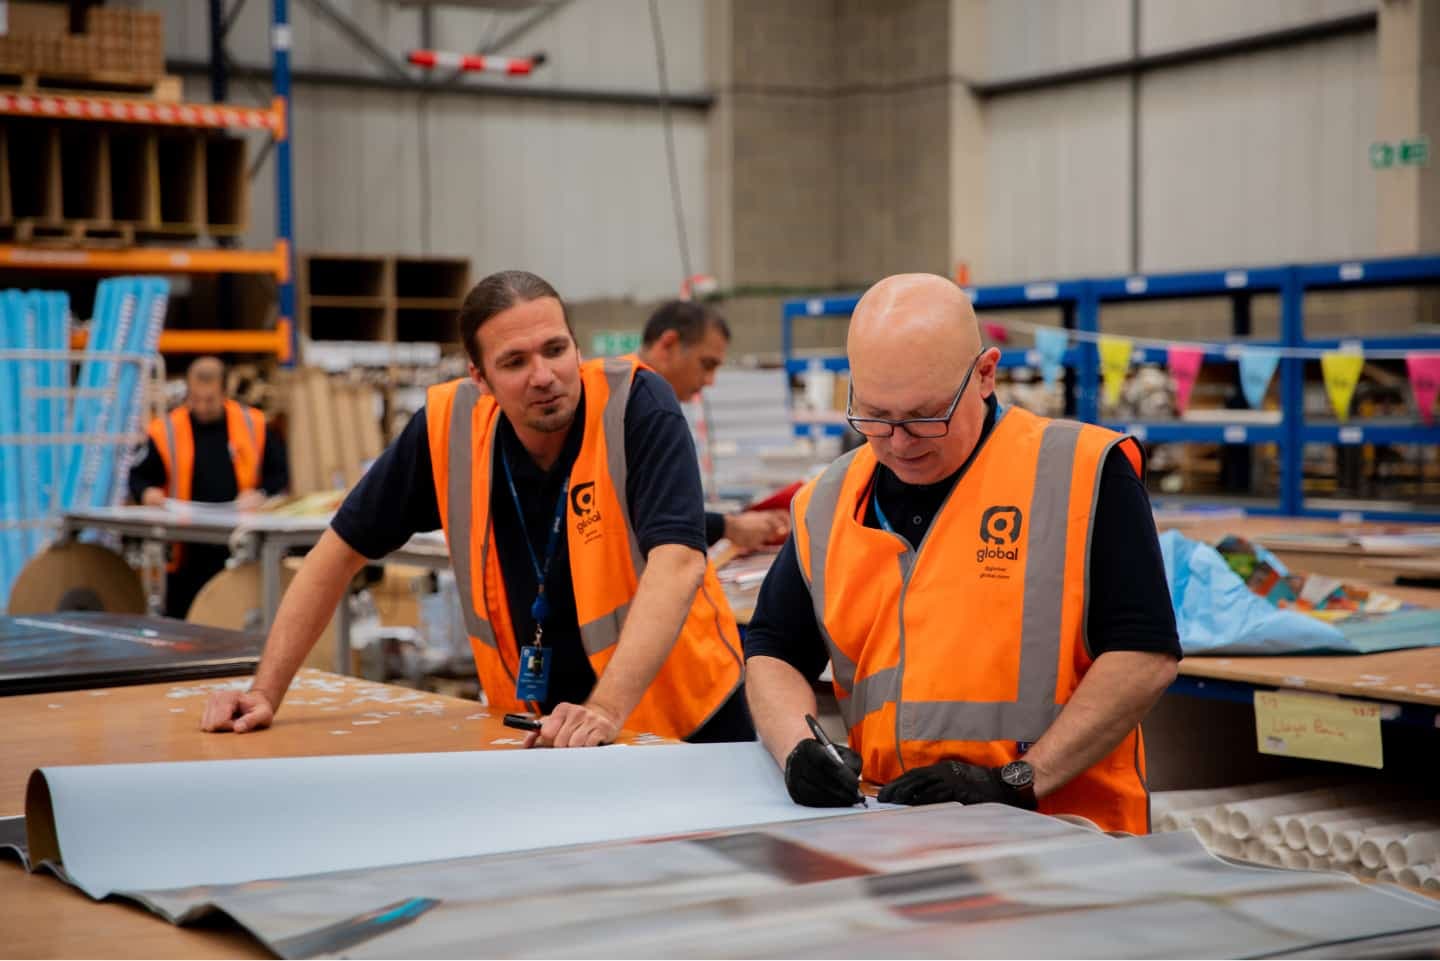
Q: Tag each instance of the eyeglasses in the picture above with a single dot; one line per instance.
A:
(925, 427)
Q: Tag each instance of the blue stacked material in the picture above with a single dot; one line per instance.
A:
(67, 444)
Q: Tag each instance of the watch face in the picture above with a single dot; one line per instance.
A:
(1017, 774)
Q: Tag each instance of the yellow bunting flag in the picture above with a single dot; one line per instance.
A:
(1342, 372)
(1114, 365)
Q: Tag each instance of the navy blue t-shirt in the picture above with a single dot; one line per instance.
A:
(396, 499)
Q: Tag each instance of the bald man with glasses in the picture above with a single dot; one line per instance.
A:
(986, 584)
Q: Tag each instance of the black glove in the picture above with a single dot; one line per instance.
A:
(815, 780)
(954, 781)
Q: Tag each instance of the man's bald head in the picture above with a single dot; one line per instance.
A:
(912, 339)
(205, 389)
(916, 329)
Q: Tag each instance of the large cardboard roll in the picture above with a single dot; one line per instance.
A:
(231, 599)
(77, 577)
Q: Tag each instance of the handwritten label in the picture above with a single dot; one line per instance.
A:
(1136, 285)
(1352, 271)
(1235, 434)
(1318, 727)
(1041, 291)
(1236, 278)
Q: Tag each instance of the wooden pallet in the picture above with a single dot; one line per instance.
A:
(165, 89)
(69, 233)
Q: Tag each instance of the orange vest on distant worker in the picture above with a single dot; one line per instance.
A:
(704, 667)
(175, 440)
(969, 647)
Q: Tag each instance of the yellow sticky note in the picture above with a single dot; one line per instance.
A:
(1114, 365)
(1341, 370)
(1318, 727)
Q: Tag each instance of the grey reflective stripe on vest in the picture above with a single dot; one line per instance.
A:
(819, 522)
(174, 463)
(459, 519)
(604, 631)
(245, 414)
(1035, 707)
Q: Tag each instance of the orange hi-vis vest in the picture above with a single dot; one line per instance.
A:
(968, 646)
(175, 440)
(704, 667)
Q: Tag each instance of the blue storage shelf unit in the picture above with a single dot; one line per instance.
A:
(1238, 285)
(1082, 304)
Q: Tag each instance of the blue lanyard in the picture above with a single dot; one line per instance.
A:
(880, 514)
(540, 609)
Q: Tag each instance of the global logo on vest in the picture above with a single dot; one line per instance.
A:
(582, 502)
(582, 498)
(999, 527)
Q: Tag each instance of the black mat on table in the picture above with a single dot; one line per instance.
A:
(61, 652)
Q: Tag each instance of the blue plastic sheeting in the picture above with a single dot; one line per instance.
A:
(42, 472)
(1217, 613)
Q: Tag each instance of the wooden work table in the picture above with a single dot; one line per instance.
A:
(323, 714)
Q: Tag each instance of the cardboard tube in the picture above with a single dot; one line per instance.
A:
(1343, 840)
(1254, 850)
(1248, 818)
(1228, 846)
(1295, 828)
(1417, 848)
(1372, 843)
(1415, 875)
(1295, 860)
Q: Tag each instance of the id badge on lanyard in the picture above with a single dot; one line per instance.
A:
(532, 681)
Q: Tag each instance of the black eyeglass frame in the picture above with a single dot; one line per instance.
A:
(906, 423)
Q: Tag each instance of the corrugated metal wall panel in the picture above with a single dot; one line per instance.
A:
(577, 193)
(1260, 159)
(1168, 24)
(1032, 36)
(1056, 182)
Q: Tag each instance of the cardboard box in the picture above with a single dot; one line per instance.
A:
(27, 18)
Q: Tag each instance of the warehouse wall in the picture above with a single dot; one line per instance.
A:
(1058, 182)
(576, 192)
(1035, 36)
(1269, 166)
(1259, 158)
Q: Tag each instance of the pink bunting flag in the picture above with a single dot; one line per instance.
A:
(997, 333)
(1425, 382)
(1184, 367)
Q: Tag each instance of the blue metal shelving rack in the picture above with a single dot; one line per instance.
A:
(1082, 305)
(284, 228)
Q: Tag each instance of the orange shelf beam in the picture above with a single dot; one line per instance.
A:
(275, 341)
(130, 110)
(151, 260)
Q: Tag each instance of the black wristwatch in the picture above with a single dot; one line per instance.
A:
(1019, 777)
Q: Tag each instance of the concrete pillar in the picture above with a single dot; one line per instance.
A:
(1408, 198)
(967, 136)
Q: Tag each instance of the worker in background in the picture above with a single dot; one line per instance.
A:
(570, 497)
(210, 449)
(987, 584)
(685, 342)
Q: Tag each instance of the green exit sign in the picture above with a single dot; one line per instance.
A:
(1400, 153)
(612, 343)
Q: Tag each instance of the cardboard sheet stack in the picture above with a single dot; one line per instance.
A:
(332, 427)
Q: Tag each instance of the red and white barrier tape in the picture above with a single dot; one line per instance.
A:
(475, 63)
